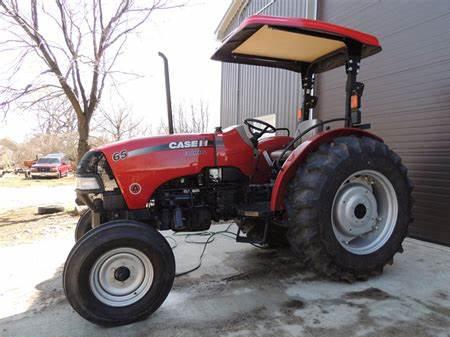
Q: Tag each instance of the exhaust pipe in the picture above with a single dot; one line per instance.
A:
(168, 94)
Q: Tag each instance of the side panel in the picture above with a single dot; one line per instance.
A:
(299, 155)
(232, 150)
(66, 168)
(140, 166)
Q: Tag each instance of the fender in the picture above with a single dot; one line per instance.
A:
(299, 155)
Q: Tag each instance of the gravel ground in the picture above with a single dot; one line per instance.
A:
(20, 197)
(23, 226)
(239, 291)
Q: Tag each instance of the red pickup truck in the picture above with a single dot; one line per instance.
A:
(52, 165)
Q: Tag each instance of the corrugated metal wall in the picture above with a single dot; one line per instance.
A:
(250, 91)
(407, 95)
(229, 95)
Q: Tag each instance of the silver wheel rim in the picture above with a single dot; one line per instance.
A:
(121, 277)
(364, 212)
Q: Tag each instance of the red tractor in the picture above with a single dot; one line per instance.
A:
(340, 198)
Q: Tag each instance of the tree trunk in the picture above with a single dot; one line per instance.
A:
(83, 135)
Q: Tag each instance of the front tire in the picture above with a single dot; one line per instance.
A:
(349, 207)
(119, 273)
(84, 225)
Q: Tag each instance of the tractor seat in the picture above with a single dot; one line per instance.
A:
(275, 155)
(301, 127)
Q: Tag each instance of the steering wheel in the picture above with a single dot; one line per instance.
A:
(258, 131)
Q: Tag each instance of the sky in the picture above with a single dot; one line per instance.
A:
(187, 37)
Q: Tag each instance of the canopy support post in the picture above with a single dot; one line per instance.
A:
(309, 100)
(353, 89)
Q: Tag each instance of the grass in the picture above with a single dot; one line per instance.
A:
(11, 180)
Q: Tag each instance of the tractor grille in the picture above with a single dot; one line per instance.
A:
(106, 175)
(94, 162)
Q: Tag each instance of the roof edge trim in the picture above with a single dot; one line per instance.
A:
(234, 8)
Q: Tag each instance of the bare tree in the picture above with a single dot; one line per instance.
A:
(56, 116)
(192, 118)
(7, 151)
(119, 124)
(77, 43)
(43, 144)
(6, 143)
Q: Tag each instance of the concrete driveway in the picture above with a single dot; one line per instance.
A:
(239, 291)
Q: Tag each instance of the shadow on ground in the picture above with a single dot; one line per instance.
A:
(251, 292)
(7, 219)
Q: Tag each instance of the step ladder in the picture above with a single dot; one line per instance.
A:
(259, 210)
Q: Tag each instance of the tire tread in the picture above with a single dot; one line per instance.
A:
(303, 199)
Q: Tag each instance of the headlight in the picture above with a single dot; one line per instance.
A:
(53, 169)
(87, 183)
(33, 169)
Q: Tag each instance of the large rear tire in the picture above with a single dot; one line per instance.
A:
(349, 207)
(119, 273)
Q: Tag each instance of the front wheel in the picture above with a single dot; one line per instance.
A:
(349, 207)
(84, 224)
(119, 273)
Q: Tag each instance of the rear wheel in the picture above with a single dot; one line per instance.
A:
(349, 207)
(119, 273)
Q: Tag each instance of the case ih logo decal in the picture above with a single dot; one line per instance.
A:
(187, 144)
(135, 188)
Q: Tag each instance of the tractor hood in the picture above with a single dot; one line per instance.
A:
(139, 166)
(141, 146)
